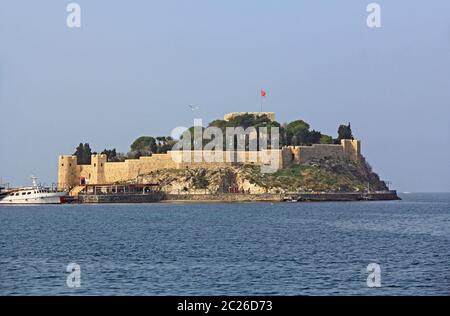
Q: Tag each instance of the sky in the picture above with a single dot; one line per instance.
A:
(133, 67)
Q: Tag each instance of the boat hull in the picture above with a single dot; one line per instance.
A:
(54, 198)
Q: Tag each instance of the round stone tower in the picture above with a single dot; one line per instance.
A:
(98, 169)
(68, 173)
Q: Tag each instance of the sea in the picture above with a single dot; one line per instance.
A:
(348, 248)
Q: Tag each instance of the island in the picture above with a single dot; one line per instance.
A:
(305, 165)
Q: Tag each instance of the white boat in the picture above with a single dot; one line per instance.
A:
(32, 195)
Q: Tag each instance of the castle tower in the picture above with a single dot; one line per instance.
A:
(352, 149)
(68, 173)
(98, 169)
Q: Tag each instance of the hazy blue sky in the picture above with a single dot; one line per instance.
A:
(134, 66)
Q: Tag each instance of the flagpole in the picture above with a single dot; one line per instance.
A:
(260, 93)
(262, 98)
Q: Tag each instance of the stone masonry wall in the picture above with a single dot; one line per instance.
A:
(102, 172)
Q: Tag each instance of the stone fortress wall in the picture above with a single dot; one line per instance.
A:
(102, 172)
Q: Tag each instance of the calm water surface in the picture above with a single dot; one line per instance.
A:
(228, 249)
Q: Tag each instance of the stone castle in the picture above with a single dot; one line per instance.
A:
(100, 171)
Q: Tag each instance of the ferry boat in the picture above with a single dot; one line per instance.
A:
(32, 195)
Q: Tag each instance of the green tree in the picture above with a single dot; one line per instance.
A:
(285, 137)
(297, 133)
(345, 132)
(219, 123)
(113, 156)
(314, 137)
(164, 144)
(325, 139)
(110, 154)
(83, 153)
(144, 144)
(296, 127)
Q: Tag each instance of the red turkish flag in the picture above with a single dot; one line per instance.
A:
(263, 93)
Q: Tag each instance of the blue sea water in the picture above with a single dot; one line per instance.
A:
(228, 249)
